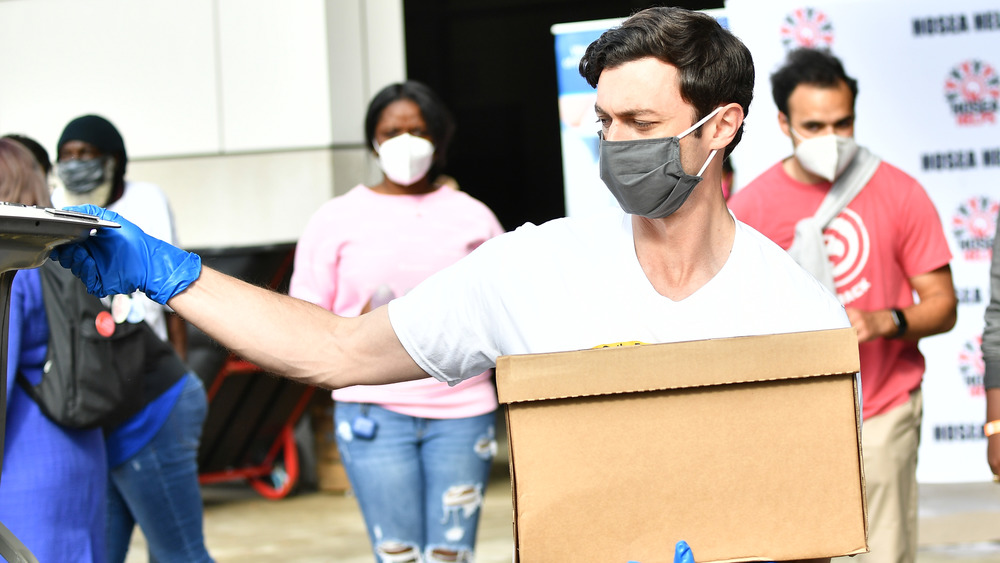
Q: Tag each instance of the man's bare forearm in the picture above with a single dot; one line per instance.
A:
(936, 311)
(294, 338)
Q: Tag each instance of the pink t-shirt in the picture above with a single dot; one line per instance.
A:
(366, 246)
(889, 233)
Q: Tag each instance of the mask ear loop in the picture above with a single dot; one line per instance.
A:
(711, 155)
(701, 122)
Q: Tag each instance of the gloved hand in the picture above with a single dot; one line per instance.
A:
(123, 260)
(683, 553)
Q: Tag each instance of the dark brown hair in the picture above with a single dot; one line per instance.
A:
(815, 67)
(715, 67)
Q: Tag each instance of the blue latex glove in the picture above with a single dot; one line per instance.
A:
(123, 260)
(683, 553)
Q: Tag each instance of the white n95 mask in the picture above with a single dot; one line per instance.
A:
(825, 156)
(405, 158)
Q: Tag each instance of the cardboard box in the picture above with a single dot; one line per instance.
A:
(324, 434)
(747, 448)
(332, 477)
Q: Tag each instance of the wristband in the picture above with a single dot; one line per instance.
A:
(900, 320)
(992, 427)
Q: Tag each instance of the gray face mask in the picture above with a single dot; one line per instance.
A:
(645, 175)
(83, 176)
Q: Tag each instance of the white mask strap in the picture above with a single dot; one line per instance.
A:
(700, 122)
(711, 155)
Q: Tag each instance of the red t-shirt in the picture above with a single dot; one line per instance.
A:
(889, 233)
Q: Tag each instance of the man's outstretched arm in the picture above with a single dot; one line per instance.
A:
(295, 338)
(281, 334)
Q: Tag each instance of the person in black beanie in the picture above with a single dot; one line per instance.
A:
(153, 456)
(91, 161)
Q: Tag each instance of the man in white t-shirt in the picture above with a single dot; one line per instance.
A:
(673, 88)
(674, 266)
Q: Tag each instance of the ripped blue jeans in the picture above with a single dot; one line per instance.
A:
(419, 482)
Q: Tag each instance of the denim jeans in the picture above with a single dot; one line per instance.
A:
(419, 482)
(158, 488)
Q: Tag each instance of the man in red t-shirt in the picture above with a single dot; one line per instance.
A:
(886, 244)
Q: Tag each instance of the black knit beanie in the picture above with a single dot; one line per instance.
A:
(97, 131)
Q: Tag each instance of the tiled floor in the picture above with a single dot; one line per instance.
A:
(959, 524)
(317, 527)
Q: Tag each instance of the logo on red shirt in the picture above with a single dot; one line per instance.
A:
(848, 246)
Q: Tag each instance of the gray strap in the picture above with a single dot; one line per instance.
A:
(807, 248)
(12, 549)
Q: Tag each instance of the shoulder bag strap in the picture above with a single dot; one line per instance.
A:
(807, 248)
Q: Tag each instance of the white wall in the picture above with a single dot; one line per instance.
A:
(248, 113)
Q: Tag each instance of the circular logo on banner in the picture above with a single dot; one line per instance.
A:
(972, 89)
(847, 246)
(974, 224)
(806, 27)
(972, 367)
(105, 324)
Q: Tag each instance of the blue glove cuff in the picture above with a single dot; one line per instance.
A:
(181, 276)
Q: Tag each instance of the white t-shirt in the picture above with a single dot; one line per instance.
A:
(576, 283)
(145, 205)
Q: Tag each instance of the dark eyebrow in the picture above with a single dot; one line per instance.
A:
(839, 123)
(630, 113)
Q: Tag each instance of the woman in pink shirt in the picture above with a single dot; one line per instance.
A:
(417, 453)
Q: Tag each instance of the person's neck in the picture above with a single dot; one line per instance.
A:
(680, 253)
(798, 173)
(388, 187)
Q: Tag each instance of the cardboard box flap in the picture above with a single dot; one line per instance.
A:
(533, 377)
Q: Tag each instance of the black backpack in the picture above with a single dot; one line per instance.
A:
(89, 379)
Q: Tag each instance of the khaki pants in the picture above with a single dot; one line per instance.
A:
(889, 443)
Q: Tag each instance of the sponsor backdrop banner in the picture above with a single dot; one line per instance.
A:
(582, 186)
(928, 97)
(928, 93)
